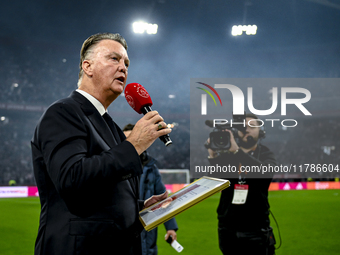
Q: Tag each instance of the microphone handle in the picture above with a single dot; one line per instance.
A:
(164, 138)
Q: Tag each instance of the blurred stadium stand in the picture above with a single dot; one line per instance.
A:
(38, 85)
(30, 81)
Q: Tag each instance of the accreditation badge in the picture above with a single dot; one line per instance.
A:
(240, 194)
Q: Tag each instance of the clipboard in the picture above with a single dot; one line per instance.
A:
(183, 199)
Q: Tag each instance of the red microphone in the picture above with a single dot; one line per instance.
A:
(139, 99)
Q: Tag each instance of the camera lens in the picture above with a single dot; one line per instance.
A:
(220, 140)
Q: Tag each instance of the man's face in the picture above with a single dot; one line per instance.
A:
(109, 63)
(250, 131)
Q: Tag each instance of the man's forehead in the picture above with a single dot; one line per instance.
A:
(108, 46)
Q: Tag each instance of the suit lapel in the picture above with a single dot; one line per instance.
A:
(96, 119)
(104, 131)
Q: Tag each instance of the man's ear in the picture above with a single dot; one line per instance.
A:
(87, 67)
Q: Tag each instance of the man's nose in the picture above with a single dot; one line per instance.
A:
(122, 67)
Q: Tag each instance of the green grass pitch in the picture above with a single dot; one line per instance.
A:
(309, 223)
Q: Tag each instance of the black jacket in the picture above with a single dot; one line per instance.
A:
(254, 214)
(88, 182)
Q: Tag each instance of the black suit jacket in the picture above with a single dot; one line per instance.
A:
(87, 181)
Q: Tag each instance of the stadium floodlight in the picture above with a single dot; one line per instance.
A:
(141, 27)
(152, 29)
(249, 29)
(138, 27)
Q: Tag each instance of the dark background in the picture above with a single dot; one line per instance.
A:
(39, 59)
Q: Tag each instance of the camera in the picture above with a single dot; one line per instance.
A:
(219, 138)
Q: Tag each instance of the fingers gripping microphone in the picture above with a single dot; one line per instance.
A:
(139, 99)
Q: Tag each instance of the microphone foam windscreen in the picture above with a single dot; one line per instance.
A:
(137, 96)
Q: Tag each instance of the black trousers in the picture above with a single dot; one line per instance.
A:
(259, 242)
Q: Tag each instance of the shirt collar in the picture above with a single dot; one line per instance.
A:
(98, 105)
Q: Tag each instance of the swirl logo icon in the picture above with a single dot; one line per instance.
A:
(204, 97)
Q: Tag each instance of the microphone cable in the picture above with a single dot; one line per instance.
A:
(278, 229)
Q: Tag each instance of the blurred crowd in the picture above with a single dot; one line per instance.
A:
(45, 79)
(15, 153)
(36, 81)
(316, 141)
(41, 80)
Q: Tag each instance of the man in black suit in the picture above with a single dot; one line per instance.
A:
(87, 172)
